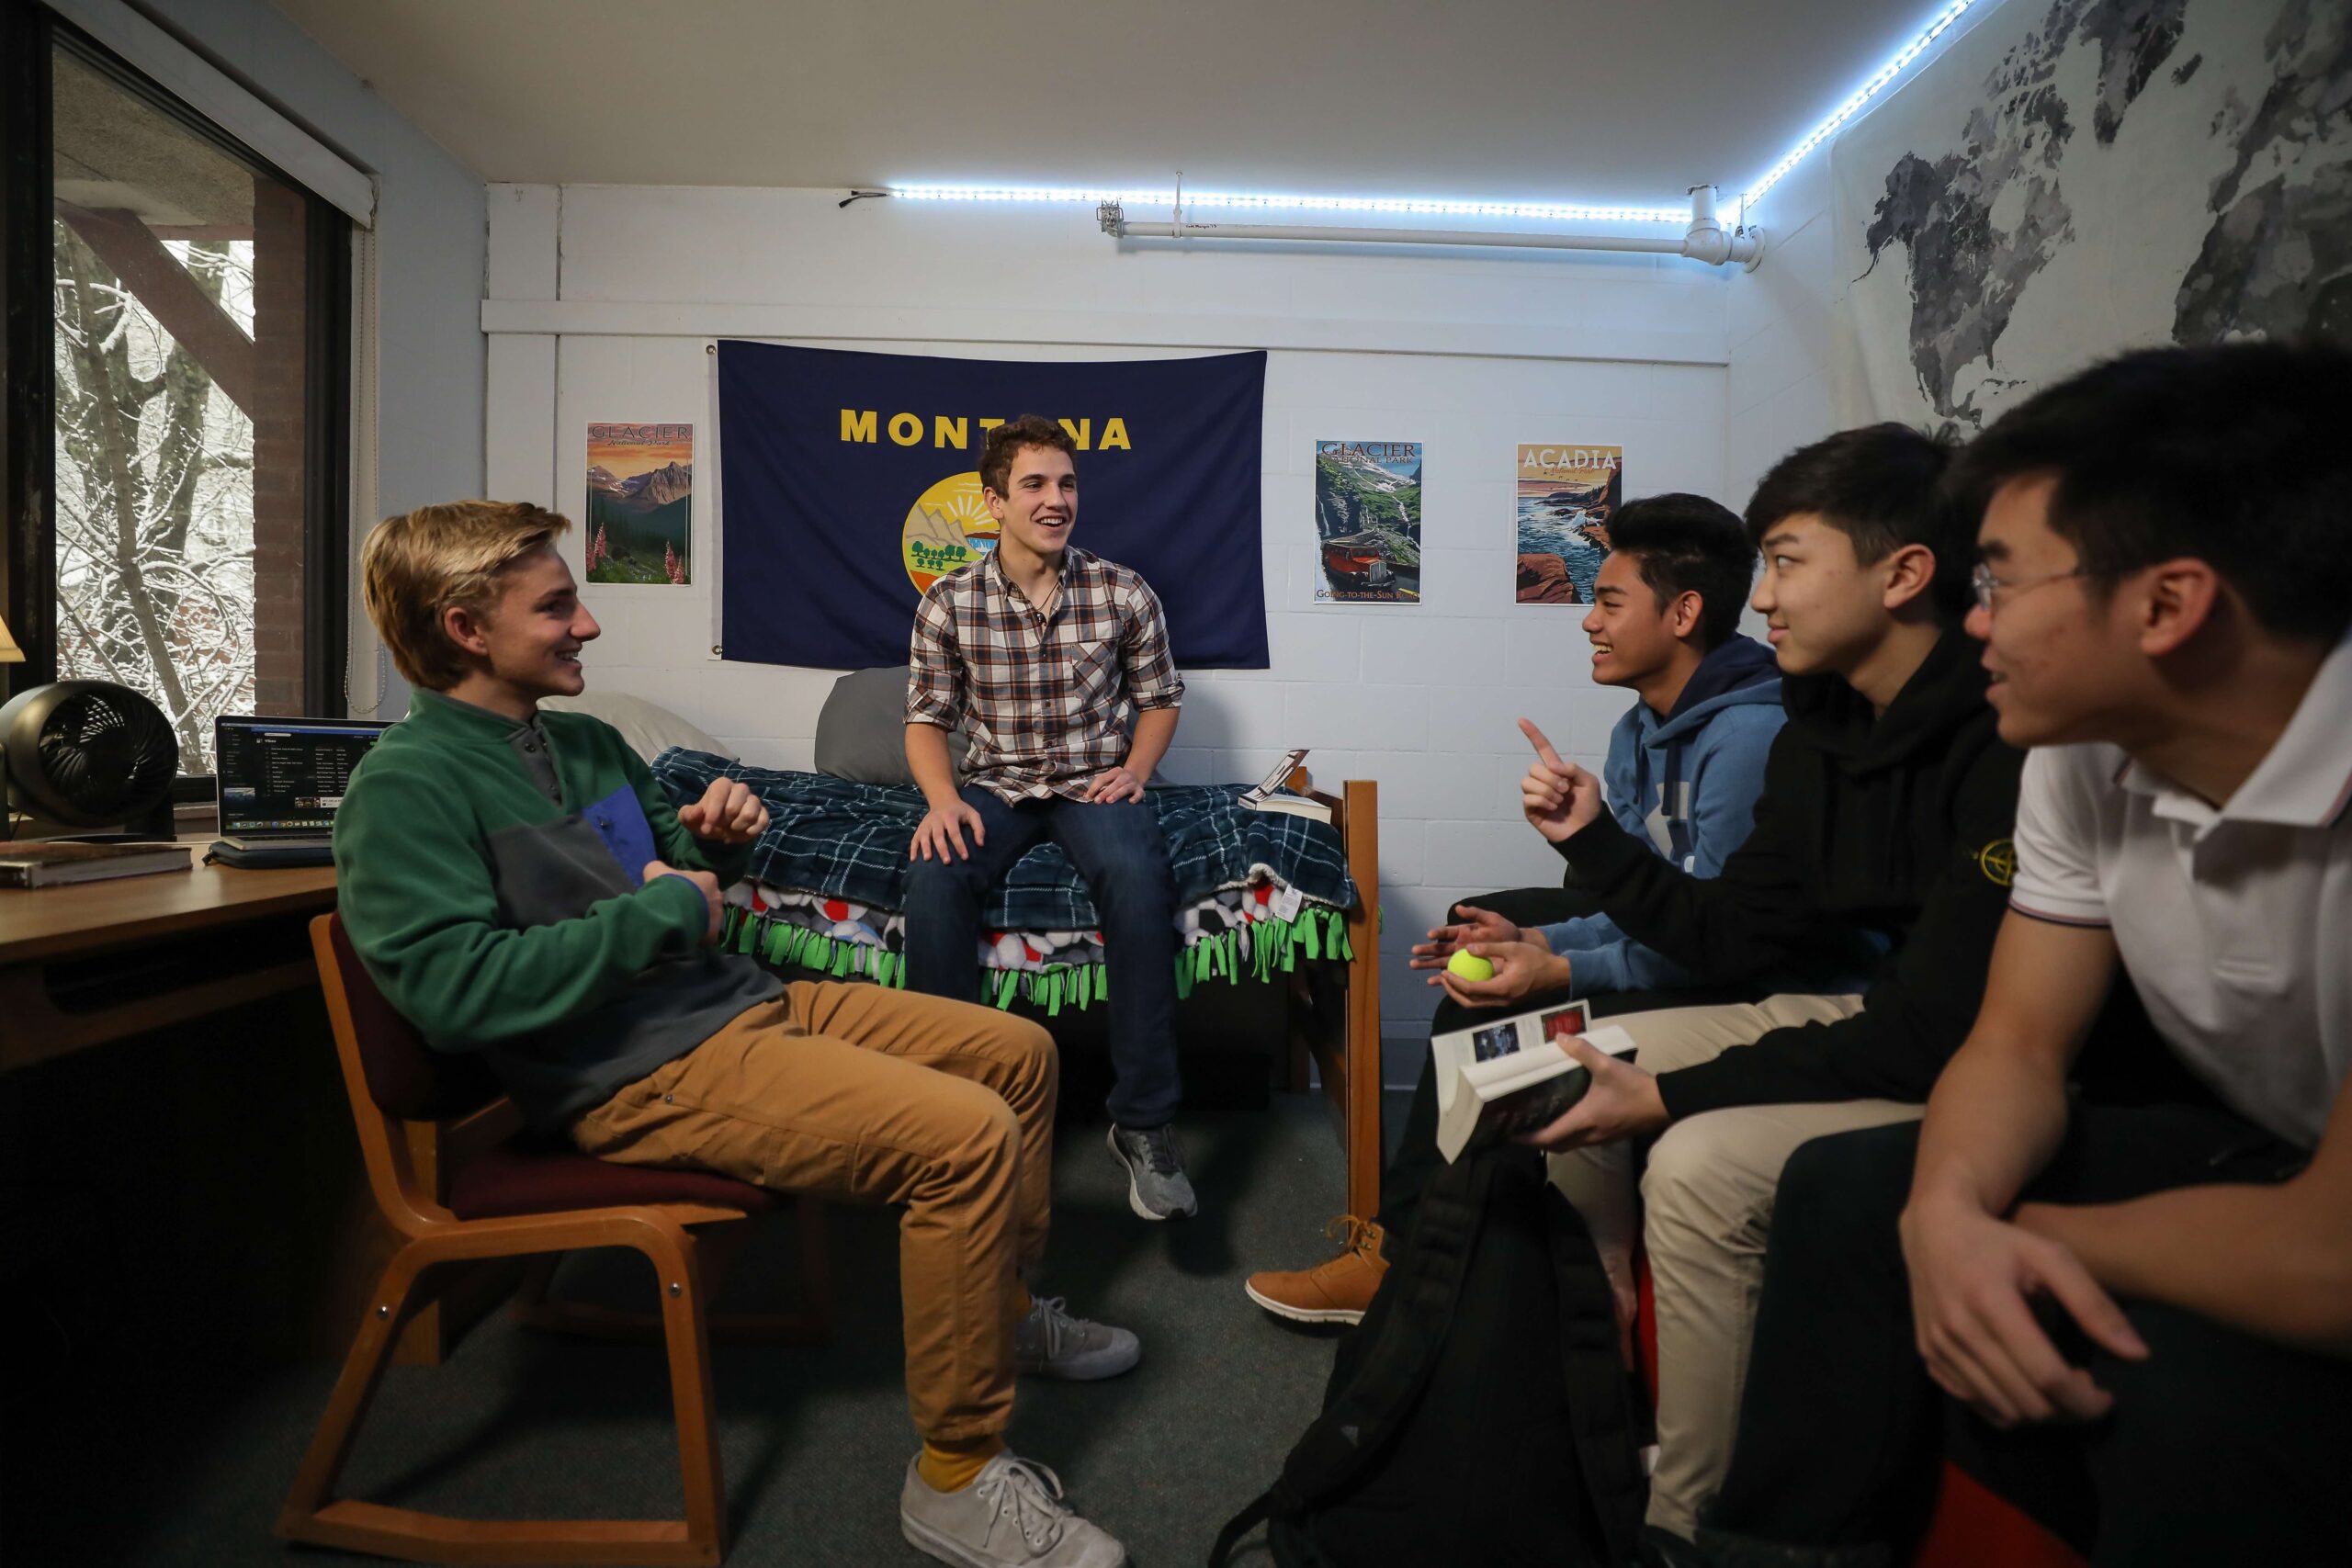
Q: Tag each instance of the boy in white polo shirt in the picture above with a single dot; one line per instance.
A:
(2147, 1306)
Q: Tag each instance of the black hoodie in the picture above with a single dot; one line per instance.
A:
(1898, 826)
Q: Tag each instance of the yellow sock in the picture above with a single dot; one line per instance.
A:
(1020, 1300)
(951, 1467)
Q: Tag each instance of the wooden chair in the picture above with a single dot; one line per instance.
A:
(492, 1196)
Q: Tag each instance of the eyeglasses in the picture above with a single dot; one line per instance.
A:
(1986, 586)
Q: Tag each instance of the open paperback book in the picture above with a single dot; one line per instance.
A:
(1266, 793)
(1494, 1080)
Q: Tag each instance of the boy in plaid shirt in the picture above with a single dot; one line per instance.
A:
(1059, 664)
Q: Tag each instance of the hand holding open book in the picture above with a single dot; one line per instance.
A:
(1517, 1076)
(1623, 1102)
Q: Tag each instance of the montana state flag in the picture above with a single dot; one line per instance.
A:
(850, 483)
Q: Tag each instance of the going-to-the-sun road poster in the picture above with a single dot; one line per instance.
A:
(1368, 522)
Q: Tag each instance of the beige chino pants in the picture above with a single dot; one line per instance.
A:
(874, 1096)
(1706, 1207)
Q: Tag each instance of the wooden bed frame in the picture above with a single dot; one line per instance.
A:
(1341, 1035)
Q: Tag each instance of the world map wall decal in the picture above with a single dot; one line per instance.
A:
(2075, 178)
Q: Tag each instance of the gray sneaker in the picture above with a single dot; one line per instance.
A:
(1157, 1188)
(1011, 1515)
(1051, 1343)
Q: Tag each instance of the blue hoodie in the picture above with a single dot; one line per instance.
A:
(1685, 785)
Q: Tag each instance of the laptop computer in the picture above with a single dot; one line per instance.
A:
(279, 781)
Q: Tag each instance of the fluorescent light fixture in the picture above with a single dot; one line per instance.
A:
(1878, 82)
(1541, 212)
(1194, 199)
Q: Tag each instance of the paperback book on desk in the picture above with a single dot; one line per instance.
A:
(44, 866)
(1496, 1080)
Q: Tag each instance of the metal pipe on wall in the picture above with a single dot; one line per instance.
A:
(1706, 240)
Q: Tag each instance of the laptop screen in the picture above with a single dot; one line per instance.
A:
(285, 775)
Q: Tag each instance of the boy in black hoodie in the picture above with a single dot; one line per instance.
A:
(1885, 818)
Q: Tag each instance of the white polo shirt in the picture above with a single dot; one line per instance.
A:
(2236, 923)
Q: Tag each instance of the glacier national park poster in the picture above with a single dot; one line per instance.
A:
(641, 500)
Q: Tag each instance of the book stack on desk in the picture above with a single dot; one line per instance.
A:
(44, 866)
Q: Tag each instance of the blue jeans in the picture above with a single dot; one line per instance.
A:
(1119, 851)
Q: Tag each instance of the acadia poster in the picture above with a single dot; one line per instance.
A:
(1368, 522)
(640, 503)
(1567, 496)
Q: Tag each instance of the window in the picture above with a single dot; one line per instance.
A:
(187, 537)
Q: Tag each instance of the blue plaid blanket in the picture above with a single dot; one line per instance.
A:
(849, 841)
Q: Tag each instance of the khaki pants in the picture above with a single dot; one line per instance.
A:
(1707, 1206)
(874, 1096)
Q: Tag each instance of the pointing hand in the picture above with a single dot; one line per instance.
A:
(1557, 796)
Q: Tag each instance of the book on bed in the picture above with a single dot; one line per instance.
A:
(1496, 1080)
(1267, 795)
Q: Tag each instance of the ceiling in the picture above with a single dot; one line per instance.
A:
(1620, 101)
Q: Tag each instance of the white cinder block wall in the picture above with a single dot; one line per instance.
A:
(1785, 383)
(602, 300)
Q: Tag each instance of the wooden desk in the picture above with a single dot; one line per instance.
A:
(201, 985)
(96, 960)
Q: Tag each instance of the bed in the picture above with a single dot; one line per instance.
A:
(1272, 908)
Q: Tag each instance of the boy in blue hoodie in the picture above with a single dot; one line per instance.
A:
(1684, 768)
(1686, 761)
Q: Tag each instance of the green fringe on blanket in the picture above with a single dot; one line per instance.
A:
(1262, 951)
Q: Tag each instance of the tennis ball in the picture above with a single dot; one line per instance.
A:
(1469, 966)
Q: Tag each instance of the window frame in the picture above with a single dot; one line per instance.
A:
(31, 33)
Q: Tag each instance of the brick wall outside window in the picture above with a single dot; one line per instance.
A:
(280, 316)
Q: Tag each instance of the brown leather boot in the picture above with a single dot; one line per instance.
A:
(1337, 1291)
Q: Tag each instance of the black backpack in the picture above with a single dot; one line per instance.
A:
(1481, 1413)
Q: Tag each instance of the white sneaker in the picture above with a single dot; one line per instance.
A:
(1011, 1515)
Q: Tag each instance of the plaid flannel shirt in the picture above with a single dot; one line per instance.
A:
(1050, 700)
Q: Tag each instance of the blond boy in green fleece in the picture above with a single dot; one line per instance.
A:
(518, 884)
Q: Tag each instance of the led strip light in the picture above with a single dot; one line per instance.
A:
(1860, 100)
(1416, 207)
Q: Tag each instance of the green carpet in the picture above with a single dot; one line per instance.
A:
(175, 1460)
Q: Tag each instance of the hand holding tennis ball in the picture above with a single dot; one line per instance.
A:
(1472, 924)
(1469, 966)
(1501, 972)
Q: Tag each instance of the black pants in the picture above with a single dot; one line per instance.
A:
(1417, 1157)
(2220, 1448)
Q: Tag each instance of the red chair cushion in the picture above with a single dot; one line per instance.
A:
(406, 1077)
(1973, 1525)
(517, 1180)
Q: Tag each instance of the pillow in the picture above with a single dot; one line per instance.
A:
(862, 730)
(649, 727)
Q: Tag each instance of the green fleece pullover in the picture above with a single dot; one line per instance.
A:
(498, 920)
